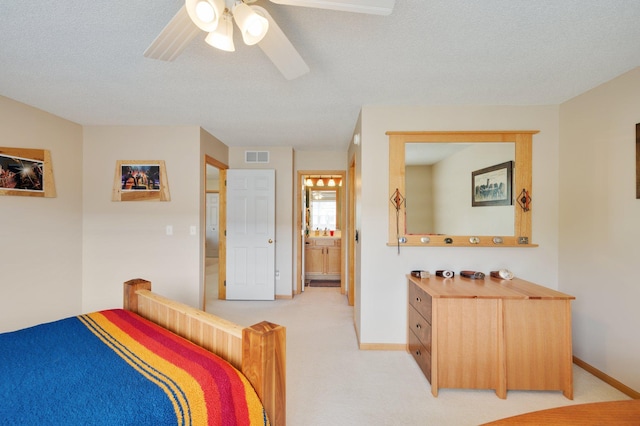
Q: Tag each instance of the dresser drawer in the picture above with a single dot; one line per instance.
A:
(420, 300)
(420, 327)
(420, 354)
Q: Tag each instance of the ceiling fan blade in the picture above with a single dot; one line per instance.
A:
(279, 49)
(173, 38)
(374, 7)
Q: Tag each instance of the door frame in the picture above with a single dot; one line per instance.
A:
(298, 231)
(351, 232)
(222, 226)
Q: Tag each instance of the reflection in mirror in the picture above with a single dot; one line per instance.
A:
(322, 202)
(322, 209)
(439, 190)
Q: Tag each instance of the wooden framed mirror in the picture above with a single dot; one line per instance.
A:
(460, 221)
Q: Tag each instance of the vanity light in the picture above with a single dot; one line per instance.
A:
(474, 240)
(497, 240)
(308, 182)
(320, 182)
(331, 182)
(425, 240)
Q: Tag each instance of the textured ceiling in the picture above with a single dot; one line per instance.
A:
(82, 60)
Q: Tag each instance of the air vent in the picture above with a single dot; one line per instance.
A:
(256, 156)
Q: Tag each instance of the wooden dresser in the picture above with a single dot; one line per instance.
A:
(490, 334)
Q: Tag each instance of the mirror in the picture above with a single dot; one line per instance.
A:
(322, 201)
(449, 214)
(437, 177)
(322, 209)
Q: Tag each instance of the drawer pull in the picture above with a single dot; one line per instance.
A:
(418, 352)
(418, 299)
(418, 326)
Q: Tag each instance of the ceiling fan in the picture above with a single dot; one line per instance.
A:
(255, 24)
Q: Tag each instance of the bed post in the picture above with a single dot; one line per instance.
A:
(264, 364)
(130, 299)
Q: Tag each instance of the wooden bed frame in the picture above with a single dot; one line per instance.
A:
(259, 351)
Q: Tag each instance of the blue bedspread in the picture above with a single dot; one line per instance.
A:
(115, 368)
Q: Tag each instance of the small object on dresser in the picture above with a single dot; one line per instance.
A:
(474, 275)
(420, 274)
(503, 274)
(445, 273)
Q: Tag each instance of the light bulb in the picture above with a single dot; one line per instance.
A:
(255, 26)
(205, 11)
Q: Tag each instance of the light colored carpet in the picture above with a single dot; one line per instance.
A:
(331, 382)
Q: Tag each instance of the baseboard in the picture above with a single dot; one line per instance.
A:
(606, 378)
(283, 296)
(383, 346)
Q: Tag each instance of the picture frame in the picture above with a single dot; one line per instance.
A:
(492, 186)
(140, 180)
(26, 172)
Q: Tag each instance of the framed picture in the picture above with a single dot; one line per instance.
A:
(491, 186)
(137, 180)
(26, 172)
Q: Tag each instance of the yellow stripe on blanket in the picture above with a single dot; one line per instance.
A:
(181, 388)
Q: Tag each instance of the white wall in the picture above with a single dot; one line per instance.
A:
(600, 225)
(382, 282)
(320, 160)
(124, 240)
(452, 182)
(281, 160)
(41, 238)
(418, 186)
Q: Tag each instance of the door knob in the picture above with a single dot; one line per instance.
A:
(270, 241)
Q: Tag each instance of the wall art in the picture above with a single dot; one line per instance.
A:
(491, 186)
(140, 180)
(26, 172)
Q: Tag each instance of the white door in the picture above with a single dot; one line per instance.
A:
(212, 235)
(251, 234)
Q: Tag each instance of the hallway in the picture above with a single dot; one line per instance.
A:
(211, 268)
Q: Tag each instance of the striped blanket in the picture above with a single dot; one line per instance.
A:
(114, 368)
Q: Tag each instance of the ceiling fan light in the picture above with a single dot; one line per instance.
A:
(252, 25)
(205, 13)
(222, 37)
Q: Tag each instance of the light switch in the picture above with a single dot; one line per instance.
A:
(169, 230)
(192, 230)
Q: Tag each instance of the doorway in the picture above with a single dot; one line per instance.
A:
(321, 221)
(214, 239)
